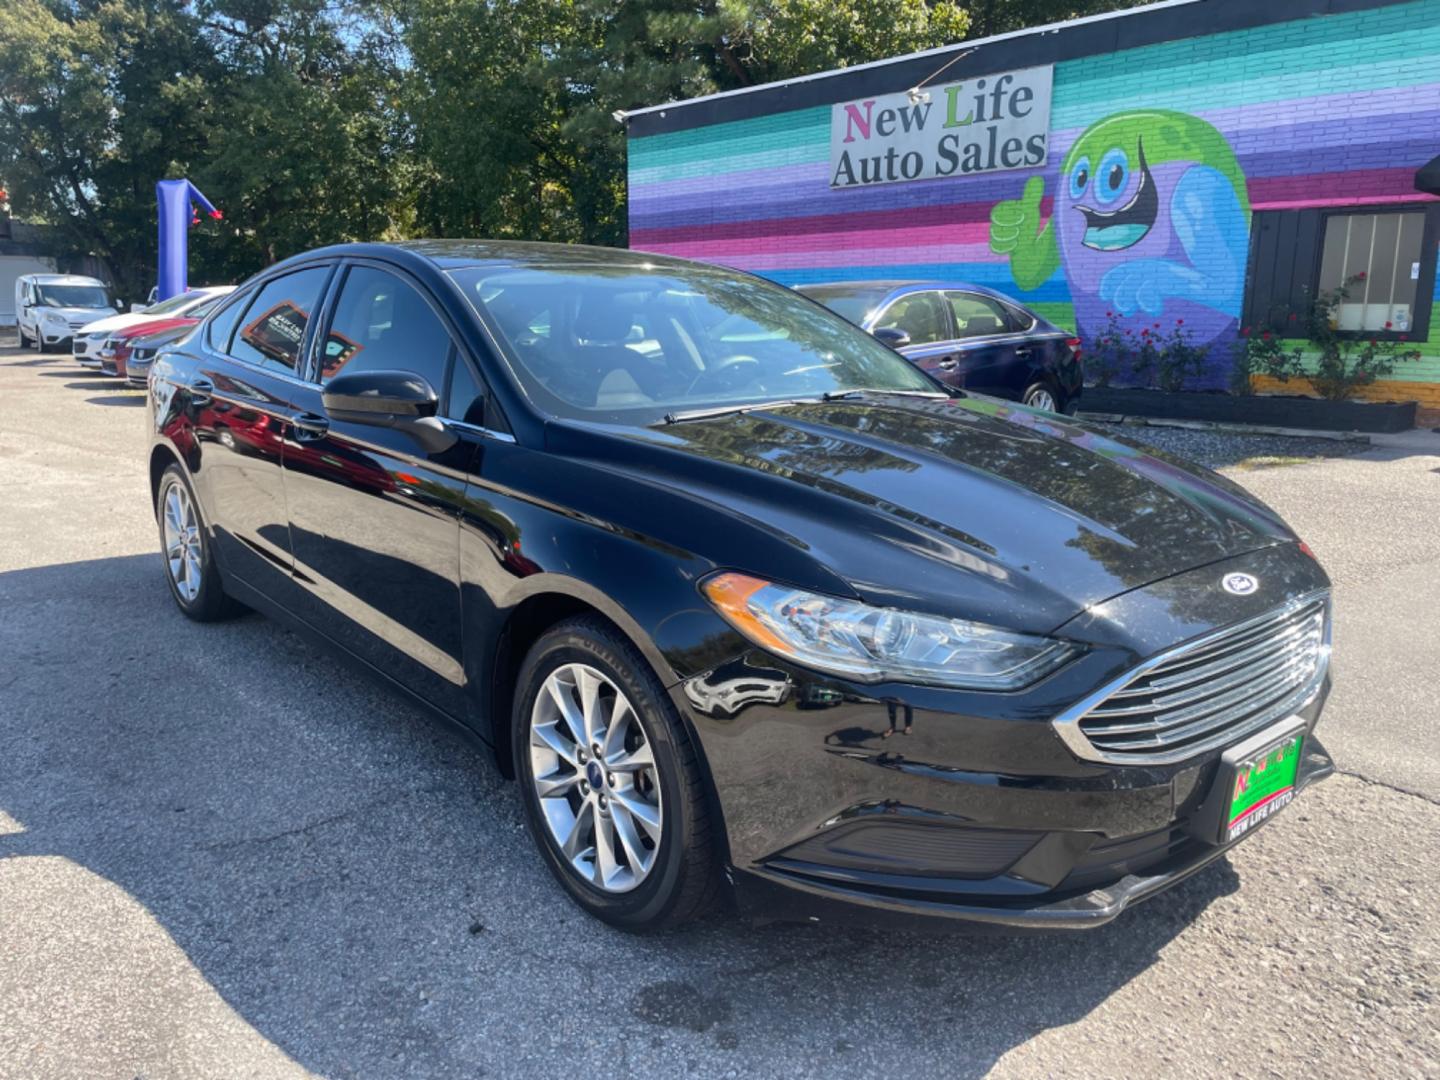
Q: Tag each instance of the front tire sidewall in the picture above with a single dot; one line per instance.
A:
(210, 601)
(647, 905)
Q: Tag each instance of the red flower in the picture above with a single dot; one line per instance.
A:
(1109, 314)
(1179, 322)
(1388, 325)
(1293, 316)
(1404, 337)
(1267, 335)
(1360, 276)
(1244, 331)
(1372, 343)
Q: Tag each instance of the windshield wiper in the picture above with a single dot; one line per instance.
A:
(744, 406)
(829, 395)
(841, 395)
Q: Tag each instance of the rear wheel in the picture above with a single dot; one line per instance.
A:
(190, 568)
(610, 782)
(1040, 396)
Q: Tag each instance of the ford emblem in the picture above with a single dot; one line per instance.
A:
(1239, 584)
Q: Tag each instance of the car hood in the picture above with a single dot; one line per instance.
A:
(111, 323)
(76, 314)
(967, 507)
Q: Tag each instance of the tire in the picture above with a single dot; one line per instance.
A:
(681, 880)
(195, 585)
(1040, 395)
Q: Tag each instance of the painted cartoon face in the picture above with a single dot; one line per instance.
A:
(1097, 188)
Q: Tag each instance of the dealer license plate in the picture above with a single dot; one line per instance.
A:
(1261, 781)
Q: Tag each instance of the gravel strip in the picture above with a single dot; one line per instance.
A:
(1222, 449)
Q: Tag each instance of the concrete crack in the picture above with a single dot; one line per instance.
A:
(308, 826)
(1431, 799)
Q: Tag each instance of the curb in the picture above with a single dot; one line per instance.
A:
(1223, 428)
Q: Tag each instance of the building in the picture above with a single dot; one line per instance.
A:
(1209, 164)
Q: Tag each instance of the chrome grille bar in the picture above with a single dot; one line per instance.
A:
(1208, 692)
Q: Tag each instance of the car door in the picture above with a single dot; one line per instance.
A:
(925, 319)
(238, 386)
(374, 517)
(993, 356)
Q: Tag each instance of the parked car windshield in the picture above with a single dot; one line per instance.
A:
(634, 342)
(81, 296)
(854, 302)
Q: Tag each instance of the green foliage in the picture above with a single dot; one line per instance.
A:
(1152, 356)
(315, 121)
(1343, 360)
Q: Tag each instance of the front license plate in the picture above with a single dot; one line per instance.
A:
(1261, 782)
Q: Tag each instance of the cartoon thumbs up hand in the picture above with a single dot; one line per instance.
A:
(1015, 231)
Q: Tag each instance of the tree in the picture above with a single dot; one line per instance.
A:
(97, 102)
(989, 17)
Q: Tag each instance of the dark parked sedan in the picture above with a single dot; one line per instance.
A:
(966, 336)
(748, 605)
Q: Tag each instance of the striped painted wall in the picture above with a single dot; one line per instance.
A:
(1338, 110)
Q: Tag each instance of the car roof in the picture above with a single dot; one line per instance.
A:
(64, 279)
(454, 254)
(899, 287)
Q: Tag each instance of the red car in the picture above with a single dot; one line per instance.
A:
(116, 349)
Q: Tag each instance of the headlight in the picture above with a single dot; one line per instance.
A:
(51, 319)
(873, 644)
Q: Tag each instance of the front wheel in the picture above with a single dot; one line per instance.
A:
(190, 568)
(610, 782)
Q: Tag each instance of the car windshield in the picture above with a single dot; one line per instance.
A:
(633, 343)
(852, 302)
(174, 304)
(76, 296)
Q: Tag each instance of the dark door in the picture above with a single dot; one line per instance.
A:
(240, 392)
(925, 319)
(994, 354)
(374, 518)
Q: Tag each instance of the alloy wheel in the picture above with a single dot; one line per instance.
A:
(1042, 399)
(594, 775)
(182, 541)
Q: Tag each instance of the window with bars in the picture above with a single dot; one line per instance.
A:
(1296, 254)
(1386, 249)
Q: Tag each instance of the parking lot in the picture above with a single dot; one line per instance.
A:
(221, 856)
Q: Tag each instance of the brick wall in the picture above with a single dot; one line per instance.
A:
(1326, 111)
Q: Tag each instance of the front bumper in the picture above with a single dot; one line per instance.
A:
(779, 894)
(845, 802)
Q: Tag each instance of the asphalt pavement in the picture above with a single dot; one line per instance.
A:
(221, 856)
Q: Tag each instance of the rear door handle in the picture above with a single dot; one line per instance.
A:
(199, 390)
(311, 425)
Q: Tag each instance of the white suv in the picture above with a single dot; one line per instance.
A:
(50, 308)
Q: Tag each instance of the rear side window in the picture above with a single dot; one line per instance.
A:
(217, 334)
(273, 327)
(978, 316)
(382, 323)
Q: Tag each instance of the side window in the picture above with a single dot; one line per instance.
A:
(921, 315)
(382, 323)
(273, 328)
(217, 334)
(466, 400)
(977, 316)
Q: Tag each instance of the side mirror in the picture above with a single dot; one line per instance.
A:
(892, 336)
(391, 399)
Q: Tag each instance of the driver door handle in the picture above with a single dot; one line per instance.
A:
(947, 363)
(311, 425)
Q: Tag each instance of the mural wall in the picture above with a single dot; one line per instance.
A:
(1157, 158)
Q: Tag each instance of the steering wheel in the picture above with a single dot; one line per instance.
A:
(736, 365)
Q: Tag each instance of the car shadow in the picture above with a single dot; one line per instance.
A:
(131, 400)
(355, 879)
(104, 383)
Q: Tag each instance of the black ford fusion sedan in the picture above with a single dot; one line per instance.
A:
(747, 604)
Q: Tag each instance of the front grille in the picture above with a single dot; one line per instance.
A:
(1209, 692)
